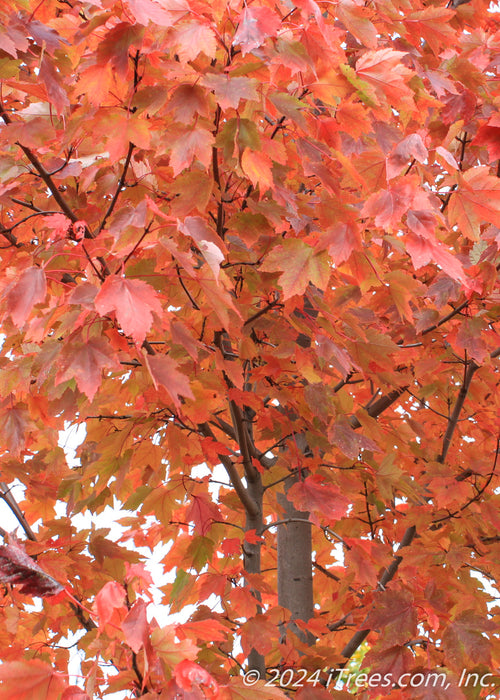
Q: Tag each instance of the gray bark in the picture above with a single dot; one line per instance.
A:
(256, 661)
(295, 580)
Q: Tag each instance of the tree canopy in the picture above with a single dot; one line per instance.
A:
(263, 237)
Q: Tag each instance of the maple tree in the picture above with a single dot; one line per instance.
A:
(264, 235)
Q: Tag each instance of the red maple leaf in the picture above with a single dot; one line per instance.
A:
(73, 692)
(193, 144)
(27, 680)
(52, 79)
(312, 493)
(17, 567)
(84, 361)
(111, 596)
(189, 674)
(395, 616)
(203, 513)
(229, 91)
(348, 440)
(29, 289)
(256, 24)
(489, 135)
(133, 301)
(193, 37)
(410, 147)
(135, 626)
(164, 372)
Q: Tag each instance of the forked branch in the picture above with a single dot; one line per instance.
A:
(249, 504)
(358, 638)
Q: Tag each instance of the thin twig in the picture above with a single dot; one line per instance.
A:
(262, 311)
(30, 216)
(368, 513)
(127, 257)
(188, 294)
(119, 187)
(478, 494)
(28, 205)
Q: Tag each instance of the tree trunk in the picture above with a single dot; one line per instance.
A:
(295, 583)
(256, 661)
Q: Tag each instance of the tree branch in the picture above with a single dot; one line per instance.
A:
(358, 638)
(262, 311)
(250, 471)
(248, 503)
(446, 318)
(30, 216)
(6, 233)
(9, 499)
(42, 172)
(474, 498)
(28, 205)
(86, 622)
(377, 408)
(119, 187)
(470, 369)
(145, 233)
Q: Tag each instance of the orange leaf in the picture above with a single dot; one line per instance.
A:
(189, 675)
(202, 512)
(187, 101)
(476, 201)
(255, 25)
(342, 239)
(489, 135)
(135, 626)
(24, 293)
(84, 361)
(388, 206)
(259, 633)
(259, 690)
(111, 596)
(133, 301)
(13, 427)
(313, 494)
(301, 265)
(193, 37)
(27, 680)
(465, 640)
(257, 166)
(193, 144)
(348, 440)
(356, 19)
(252, 537)
(395, 615)
(164, 372)
(385, 72)
(209, 629)
(52, 79)
(164, 13)
(410, 147)
(229, 91)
